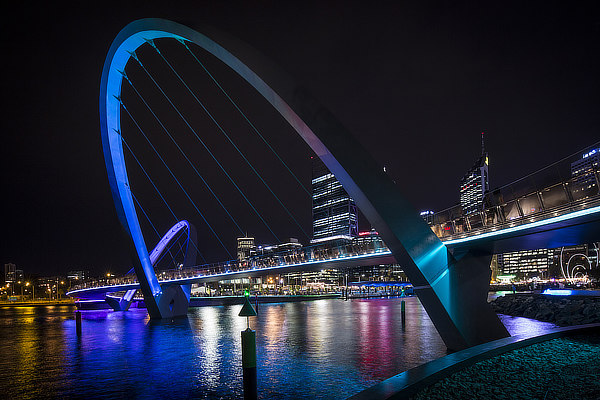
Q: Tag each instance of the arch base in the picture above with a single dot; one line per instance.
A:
(173, 302)
(123, 303)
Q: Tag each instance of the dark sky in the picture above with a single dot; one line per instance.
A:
(416, 82)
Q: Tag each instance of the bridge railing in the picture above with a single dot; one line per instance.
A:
(544, 194)
(313, 253)
(549, 192)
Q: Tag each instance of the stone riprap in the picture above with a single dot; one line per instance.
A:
(563, 368)
(560, 310)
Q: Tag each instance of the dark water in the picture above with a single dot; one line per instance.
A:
(325, 349)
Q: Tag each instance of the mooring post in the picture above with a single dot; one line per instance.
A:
(347, 295)
(78, 322)
(249, 352)
(403, 312)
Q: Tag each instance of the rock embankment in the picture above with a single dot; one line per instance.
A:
(558, 369)
(562, 311)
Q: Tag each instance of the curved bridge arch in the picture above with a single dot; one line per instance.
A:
(190, 256)
(122, 303)
(462, 320)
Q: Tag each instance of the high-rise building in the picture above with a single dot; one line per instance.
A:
(334, 213)
(585, 173)
(78, 275)
(475, 183)
(12, 274)
(245, 245)
(540, 262)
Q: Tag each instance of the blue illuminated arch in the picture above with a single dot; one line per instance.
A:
(190, 254)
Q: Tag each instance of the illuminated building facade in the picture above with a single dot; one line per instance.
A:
(526, 263)
(12, 274)
(585, 173)
(475, 184)
(245, 245)
(553, 262)
(334, 213)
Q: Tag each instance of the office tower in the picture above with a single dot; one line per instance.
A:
(475, 184)
(245, 245)
(334, 213)
(585, 173)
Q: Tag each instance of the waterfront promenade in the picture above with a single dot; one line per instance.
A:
(37, 303)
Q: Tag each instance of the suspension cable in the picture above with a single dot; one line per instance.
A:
(155, 188)
(174, 177)
(151, 224)
(222, 130)
(205, 147)
(174, 241)
(182, 152)
(182, 41)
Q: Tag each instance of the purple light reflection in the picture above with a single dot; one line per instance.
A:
(525, 326)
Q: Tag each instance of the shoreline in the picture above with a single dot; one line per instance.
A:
(37, 303)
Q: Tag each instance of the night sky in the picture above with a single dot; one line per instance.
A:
(416, 83)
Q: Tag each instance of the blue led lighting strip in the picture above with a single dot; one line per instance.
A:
(244, 115)
(205, 146)
(198, 278)
(183, 153)
(258, 175)
(157, 191)
(174, 177)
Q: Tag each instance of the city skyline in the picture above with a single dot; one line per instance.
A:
(60, 213)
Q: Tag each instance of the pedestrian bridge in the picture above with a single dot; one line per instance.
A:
(576, 223)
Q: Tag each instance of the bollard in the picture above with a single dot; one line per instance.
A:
(249, 351)
(78, 322)
(403, 311)
(249, 364)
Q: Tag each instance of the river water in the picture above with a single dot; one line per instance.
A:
(324, 349)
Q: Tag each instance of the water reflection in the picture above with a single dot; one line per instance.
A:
(306, 350)
(524, 326)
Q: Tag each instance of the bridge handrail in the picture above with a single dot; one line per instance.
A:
(287, 257)
(551, 200)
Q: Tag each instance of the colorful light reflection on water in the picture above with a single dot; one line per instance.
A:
(308, 350)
